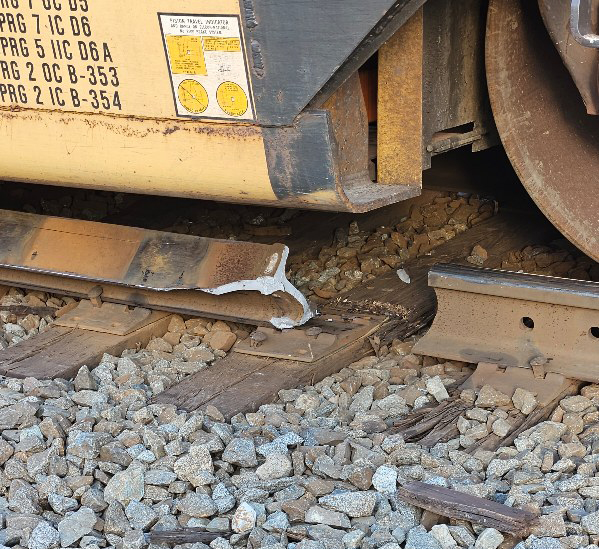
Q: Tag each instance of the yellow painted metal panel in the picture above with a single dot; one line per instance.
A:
(178, 158)
(110, 56)
(90, 91)
(154, 96)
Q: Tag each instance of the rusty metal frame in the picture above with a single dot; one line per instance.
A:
(240, 281)
(400, 89)
(515, 320)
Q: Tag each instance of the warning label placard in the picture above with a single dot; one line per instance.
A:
(207, 66)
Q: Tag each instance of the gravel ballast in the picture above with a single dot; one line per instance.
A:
(94, 463)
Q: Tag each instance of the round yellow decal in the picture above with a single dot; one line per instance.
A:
(193, 96)
(232, 99)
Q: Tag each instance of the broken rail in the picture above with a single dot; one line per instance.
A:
(177, 273)
(546, 323)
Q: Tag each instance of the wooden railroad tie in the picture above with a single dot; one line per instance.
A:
(457, 505)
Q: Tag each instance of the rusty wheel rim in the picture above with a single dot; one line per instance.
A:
(551, 142)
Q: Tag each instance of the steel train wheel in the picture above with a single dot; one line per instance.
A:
(552, 143)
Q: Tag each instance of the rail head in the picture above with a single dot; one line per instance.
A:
(514, 285)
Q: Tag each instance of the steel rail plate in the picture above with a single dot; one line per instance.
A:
(241, 281)
(515, 320)
(320, 338)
